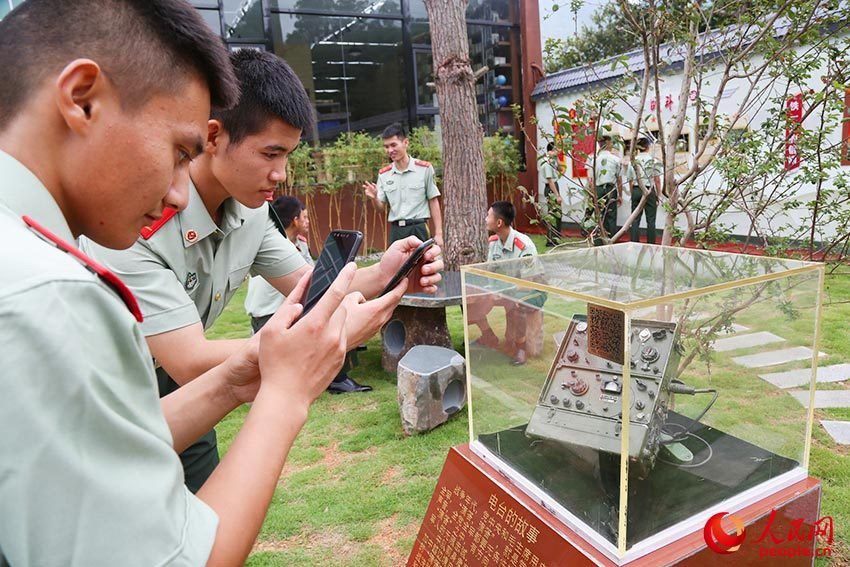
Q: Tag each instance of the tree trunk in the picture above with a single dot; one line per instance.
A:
(464, 186)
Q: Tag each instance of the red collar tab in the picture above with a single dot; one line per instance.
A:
(302, 238)
(494, 238)
(386, 169)
(423, 163)
(167, 215)
(519, 243)
(107, 277)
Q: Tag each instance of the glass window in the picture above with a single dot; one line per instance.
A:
(205, 3)
(386, 7)
(502, 11)
(243, 19)
(211, 17)
(353, 69)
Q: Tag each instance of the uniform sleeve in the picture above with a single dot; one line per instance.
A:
(277, 255)
(431, 190)
(382, 194)
(530, 249)
(162, 298)
(89, 476)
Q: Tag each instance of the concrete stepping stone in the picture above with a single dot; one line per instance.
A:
(775, 357)
(825, 399)
(801, 377)
(838, 430)
(746, 341)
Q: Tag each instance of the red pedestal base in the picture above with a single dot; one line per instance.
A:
(476, 517)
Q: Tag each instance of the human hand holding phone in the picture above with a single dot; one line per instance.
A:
(414, 261)
(424, 276)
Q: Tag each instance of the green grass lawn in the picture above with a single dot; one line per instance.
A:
(355, 489)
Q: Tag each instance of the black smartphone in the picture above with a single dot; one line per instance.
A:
(340, 248)
(415, 259)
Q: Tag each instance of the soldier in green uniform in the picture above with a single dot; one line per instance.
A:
(408, 187)
(644, 176)
(187, 265)
(103, 103)
(263, 300)
(605, 177)
(552, 196)
(506, 243)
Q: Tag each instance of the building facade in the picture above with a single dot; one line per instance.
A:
(564, 89)
(367, 63)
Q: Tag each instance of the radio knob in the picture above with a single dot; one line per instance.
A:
(554, 400)
(639, 405)
(649, 354)
(572, 356)
(579, 388)
(579, 404)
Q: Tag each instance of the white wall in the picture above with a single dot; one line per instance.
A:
(738, 221)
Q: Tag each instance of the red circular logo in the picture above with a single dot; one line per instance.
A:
(718, 539)
(191, 235)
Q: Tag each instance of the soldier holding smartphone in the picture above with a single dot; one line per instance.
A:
(103, 104)
(187, 265)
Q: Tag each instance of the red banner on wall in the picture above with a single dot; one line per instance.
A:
(584, 145)
(794, 114)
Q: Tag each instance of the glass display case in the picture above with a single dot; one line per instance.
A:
(638, 406)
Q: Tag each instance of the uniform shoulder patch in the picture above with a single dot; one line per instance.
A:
(385, 169)
(107, 277)
(302, 238)
(423, 163)
(167, 215)
(519, 243)
(494, 238)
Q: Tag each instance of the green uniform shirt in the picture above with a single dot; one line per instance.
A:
(263, 299)
(647, 167)
(548, 170)
(606, 168)
(88, 473)
(407, 192)
(517, 245)
(189, 269)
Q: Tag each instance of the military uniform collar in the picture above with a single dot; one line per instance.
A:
(509, 242)
(196, 223)
(25, 194)
(411, 161)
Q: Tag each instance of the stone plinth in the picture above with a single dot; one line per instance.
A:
(431, 387)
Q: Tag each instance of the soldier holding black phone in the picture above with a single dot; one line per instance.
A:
(188, 264)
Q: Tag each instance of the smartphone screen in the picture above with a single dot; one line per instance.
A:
(340, 248)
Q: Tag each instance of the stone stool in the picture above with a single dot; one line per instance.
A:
(431, 387)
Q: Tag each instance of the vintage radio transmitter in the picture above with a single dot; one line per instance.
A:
(580, 404)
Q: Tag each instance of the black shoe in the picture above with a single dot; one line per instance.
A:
(347, 385)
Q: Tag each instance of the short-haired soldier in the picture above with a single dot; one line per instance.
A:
(408, 188)
(185, 268)
(103, 103)
(506, 243)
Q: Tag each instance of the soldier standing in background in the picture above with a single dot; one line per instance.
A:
(408, 187)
